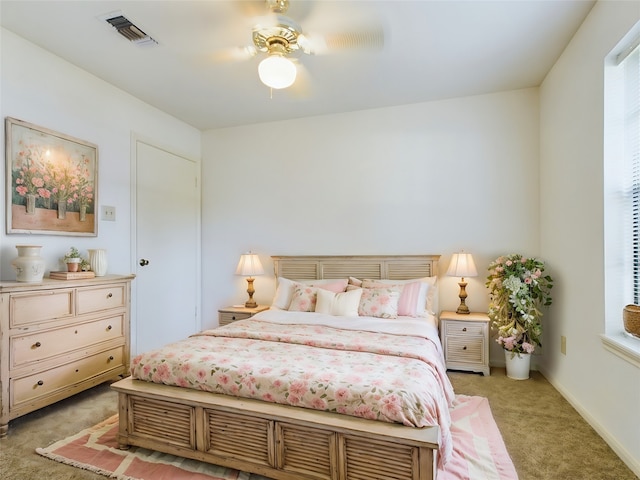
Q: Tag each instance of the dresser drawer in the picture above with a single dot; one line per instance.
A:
(41, 345)
(225, 318)
(35, 307)
(463, 328)
(100, 298)
(464, 349)
(44, 383)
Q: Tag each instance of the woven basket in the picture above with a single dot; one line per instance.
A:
(631, 317)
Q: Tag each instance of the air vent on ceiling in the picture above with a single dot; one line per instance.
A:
(128, 30)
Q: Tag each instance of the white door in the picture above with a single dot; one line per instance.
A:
(167, 246)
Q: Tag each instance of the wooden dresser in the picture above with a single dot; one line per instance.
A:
(60, 337)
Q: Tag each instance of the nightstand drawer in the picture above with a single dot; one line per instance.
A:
(225, 318)
(464, 328)
(463, 349)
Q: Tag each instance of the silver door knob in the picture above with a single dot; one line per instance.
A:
(144, 262)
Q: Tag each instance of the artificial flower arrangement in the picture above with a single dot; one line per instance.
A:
(517, 290)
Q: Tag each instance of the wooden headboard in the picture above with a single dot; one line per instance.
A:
(375, 267)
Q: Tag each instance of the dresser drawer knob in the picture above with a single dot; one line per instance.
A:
(233, 318)
(464, 348)
(40, 382)
(111, 359)
(37, 344)
(109, 327)
(464, 329)
(110, 295)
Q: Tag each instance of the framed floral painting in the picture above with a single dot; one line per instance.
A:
(52, 181)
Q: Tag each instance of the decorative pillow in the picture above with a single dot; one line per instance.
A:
(379, 302)
(343, 304)
(304, 298)
(284, 292)
(413, 296)
(430, 293)
(355, 281)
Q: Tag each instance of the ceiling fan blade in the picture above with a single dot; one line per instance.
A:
(233, 54)
(363, 39)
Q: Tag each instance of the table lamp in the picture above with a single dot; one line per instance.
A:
(248, 266)
(462, 265)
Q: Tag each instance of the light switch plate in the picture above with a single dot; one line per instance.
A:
(108, 213)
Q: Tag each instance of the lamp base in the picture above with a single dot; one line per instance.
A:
(251, 303)
(463, 309)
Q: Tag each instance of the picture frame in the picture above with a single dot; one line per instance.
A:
(51, 181)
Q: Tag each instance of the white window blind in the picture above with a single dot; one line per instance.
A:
(631, 66)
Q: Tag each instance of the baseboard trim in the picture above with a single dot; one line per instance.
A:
(616, 446)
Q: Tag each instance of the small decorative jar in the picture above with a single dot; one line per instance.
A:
(29, 265)
(98, 261)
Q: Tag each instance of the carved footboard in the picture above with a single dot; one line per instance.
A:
(277, 441)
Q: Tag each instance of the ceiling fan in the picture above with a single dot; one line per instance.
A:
(280, 38)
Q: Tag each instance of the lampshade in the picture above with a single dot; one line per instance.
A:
(277, 71)
(462, 265)
(249, 265)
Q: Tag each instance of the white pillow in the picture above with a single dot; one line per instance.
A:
(342, 304)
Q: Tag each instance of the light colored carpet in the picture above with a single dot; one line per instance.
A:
(544, 435)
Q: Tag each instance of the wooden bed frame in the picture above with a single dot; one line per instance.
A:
(280, 441)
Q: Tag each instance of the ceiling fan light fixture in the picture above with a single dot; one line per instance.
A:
(277, 71)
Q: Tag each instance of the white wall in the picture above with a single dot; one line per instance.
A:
(602, 386)
(429, 178)
(41, 88)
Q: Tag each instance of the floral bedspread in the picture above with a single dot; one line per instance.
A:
(374, 375)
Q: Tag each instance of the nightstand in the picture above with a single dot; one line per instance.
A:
(227, 315)
(465, 341)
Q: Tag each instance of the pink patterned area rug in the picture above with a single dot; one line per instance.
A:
(478, 452)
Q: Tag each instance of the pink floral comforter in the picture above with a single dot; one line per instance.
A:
(316, 362)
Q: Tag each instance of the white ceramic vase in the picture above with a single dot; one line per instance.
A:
(29, 265)
(98, 261)
(518, 365)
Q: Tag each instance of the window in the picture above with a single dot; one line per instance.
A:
(622, 193)
(630, 66)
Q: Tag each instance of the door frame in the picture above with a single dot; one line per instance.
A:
(135, 139)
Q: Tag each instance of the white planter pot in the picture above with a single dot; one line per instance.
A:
(518, 365)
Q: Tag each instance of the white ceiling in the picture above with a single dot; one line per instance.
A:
(433, 50)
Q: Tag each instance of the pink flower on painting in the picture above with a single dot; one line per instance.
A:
(22, 190)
